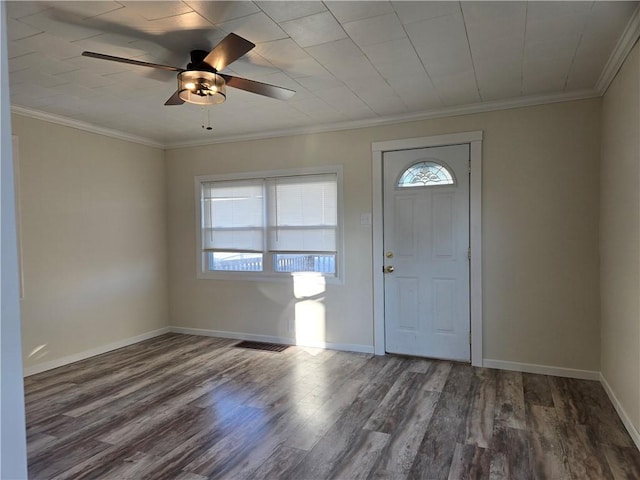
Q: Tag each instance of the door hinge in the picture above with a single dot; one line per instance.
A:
(469, 337)
(469, 253)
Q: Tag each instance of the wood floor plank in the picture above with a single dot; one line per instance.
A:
(346, 439)
(112, 462)
(112, 361)
(63, 456)
(222, 456)
(61, 426)
(200, 449)
(585, 458)
(195, 408)
(280, 464)
(94, 388)
(510, 410)
(127, 420)
(190, 476)
(438, 445)
(586, 403)
(537, 390)
(479, 421)
(282, 426)
(386, 475)
(378, 376)
(623, 461)
(402, 448)
(498, 468)
(39, 442)
(185, 422)
(419, 365)
(548, 459)
(344, 452)
(363, 455)
(299, 424)
(324, 417)
(565, 403)
(393, 407)
(145, 381)
(156, 415)
(437, 376)
(37, 393)
(470, 463)
(511, 447)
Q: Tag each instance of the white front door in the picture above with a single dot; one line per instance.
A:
(426, 245)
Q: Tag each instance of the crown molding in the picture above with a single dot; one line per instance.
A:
(622, 49)
(88, 127)
(395, 119)
(332, 127)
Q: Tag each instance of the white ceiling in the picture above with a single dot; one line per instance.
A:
(349, 62)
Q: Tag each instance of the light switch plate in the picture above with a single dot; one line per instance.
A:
(365, 219)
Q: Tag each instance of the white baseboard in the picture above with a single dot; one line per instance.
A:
(633, 431)
(59, 362)
(348, 347)
(542, 369)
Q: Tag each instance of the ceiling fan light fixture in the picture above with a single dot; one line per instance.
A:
(201, 87)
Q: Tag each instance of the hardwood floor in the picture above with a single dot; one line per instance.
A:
(191, 408)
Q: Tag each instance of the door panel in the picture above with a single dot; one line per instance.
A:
(408, 315)
(444, 304)
(426, 240)
(404, 225)
(443, 226)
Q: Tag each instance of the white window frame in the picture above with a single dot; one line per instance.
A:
(202, 273)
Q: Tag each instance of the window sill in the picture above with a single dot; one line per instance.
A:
(263, 277)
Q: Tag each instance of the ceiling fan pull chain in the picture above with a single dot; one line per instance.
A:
(208, 127)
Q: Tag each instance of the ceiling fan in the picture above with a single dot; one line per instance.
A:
(201, 82)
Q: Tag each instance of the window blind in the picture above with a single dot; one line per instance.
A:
(233, 216)
(302, 213)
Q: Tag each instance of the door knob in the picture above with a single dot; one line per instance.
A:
(389, 269)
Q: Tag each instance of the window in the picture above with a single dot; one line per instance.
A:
(426, 173)
(269, 225)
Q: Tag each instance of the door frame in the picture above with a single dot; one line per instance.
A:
(474, 139)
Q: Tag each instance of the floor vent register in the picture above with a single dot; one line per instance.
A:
(269, 347)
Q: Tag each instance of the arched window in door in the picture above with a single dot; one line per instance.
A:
(426, 173)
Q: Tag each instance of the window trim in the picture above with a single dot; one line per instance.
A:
(202, 273)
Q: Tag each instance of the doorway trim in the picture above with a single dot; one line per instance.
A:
(474, 139)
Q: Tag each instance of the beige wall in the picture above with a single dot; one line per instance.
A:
(540, 233)
(87, 284)
(93, 240)
(620, 236)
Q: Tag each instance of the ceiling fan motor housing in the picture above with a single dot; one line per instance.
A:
(198, 63)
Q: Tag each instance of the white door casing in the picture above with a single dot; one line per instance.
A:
(474, 140)
(426, 242)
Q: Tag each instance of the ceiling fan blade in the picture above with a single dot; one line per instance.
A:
(231, 48)
(175, 99)
(258, 87)
(102, 56)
